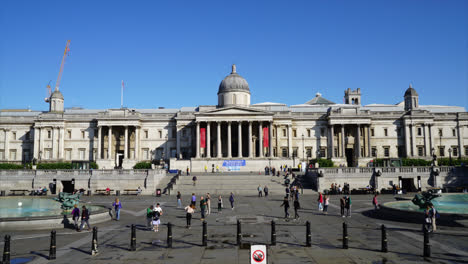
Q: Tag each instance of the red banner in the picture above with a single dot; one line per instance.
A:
(202, 137)
(266, 137)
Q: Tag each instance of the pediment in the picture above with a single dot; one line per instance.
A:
(235, 110)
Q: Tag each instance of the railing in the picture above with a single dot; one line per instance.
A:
(366, 170)
(80, 172)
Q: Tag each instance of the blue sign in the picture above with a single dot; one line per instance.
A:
(233, 163)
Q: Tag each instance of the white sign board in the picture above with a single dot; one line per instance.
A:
(258, 254)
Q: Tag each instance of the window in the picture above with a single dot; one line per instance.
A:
(146, 133)
(49, 134)
(146, 154)
(323, 152)
(308, 132)
(274, 152)
(372, 132)
(12, 154)
(386, 151)
(274, 132)
(48, 154)
(69, 134)
(82, 134)
(419, 132)
(284, 152)
(68, 153)
(82, 153)
(454, 133)
(309, 152)
(2, 155)
(322, 132)
(294, 152)
(13, 134)
(441, 132)
(466, 150)
(455, 151)
(284, 132)
(374, 152)
(385, 131)
(294, 133)
(420, 151)
(159, 132)
(441, 151)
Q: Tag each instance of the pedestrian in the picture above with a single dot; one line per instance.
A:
(325, 204)
(188, 171)
(287, 192)
(427, 219)
(231, 200)
(75, 215)
(139, 190)
(220, 203)
(320, 201)
(434, 215)
(208, 203)
(265, 190)
(286, 206)
(190, 209)
(149, 217)
(194, 199)
(194, 179)
(342, 206)
(117, 206)
(217, 168)
(179, 201)
(206, 168)
(297, 206)
(157, 217)
(202, 208)
(84, 218)
(394, 188)
(375, 202)
(348, 206)
(260, 191)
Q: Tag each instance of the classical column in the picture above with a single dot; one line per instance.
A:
(407, 141)
(412, 139)
(36, 142)
(358, 141)
(109, 143)
(198, 141)
(41, 142)
(60, 142)
(270, 143)
(431, 144)
(218, 140)
(208, 140)
(332, 148)
(250, 139)
(240, 139)
(368, 142)
(126, 143)
(99, 142)
(460, 140)
(137, 143)
(229, 140)
(260, 139)
(342, 142)
(177, 142)
(290, 140)
(6, 145)
(278, 133)
(54, 145)
(426, 145)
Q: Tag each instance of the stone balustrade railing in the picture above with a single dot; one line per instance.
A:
(79, 172)
(400, 170)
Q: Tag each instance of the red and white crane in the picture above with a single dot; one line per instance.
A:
(57, 83)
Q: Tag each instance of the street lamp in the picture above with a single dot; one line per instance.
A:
(303, 148)
(450, 156)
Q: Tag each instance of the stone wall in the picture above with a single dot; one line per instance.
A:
(251, 165)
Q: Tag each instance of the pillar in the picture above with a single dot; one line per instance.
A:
(61, 142)
(41, 143)
(431, 143)
(99, 142)
(177, 142)
(208, 140)
(109, 143)
(126, 143)
(342, 142)
(427, 151)
(358, 141)
(36, 142)
(460, 137)
(7, 145)
(137, 143)
(407, 141)
(229, 140)
(290, 140)
(198, 141)
(368, 142)
(332, 148)
(260, 139)
(412, 140)
(218, 140)
(240, 139)
(270, 143)
(250, 139)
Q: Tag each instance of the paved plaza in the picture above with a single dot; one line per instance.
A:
(405, 240)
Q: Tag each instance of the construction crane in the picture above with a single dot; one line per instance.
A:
(49, 92)
(57, 83)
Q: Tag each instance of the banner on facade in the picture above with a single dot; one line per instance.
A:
(233, 165)
(266, 137)
(202, 137)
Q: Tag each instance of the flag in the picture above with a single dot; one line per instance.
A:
(202, 137)
(266, 137)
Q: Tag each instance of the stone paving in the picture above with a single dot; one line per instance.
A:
(405, 240)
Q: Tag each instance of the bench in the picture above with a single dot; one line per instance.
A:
(462, 188)
(132, 191)
(103, 191)
(14, 192)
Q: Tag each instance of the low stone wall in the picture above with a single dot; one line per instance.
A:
(251, 165)
(86, 179)
(380, 178)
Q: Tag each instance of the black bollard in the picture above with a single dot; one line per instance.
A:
(427, 246)
(384, 239)
(169, 235)
(239, 233)
(308, 236)
(205, 236)
(133, 239)
(6, 250)
(345, 236)
(53, 245)
(94, 242)
(273, 233)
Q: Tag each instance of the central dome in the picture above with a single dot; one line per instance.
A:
(233, 83)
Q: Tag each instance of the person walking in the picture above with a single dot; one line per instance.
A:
(434, 214)
(286, 206)
(194, 179)
(348, 206)
(220, 204)
(231, 200)
(202, 208)
(287, 190)
(190, 209)
(265, 190)
(194, 199)
(375, 202)
(188, 171)
(206, 168)
(320, 201)
(179, 201)
(342, 206)
(149, 217)
(297, 206)
(260, 191)
(208, 203)
(117, 206)
(75, 216)
(325, 204)
(158, 212)
(427, 219)
(84, 218)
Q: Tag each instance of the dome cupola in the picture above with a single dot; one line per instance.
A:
(233, 90)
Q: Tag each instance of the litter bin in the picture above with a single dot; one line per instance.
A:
(2, 193)
(117, 193)
(89, 192)
(158, 192)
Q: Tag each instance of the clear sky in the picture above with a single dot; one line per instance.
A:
(175, 53)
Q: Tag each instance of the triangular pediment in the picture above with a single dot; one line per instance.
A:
(234, 110)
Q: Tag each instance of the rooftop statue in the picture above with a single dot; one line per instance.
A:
(68, 200)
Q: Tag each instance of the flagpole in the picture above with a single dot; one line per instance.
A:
(121, 95)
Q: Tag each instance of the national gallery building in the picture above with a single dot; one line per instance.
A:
(235, 132)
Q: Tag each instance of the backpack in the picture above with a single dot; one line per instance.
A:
(156, 215)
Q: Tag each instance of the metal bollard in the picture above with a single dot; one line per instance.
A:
(308, 236)
(94, 242)
(205, 236)
(384, 239)
(345, 236)
(6, 250)
(169, 235)
(427, 246)
(273, 233)
(133, 239)
(239, 233)
(53, 245)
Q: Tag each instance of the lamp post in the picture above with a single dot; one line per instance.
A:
(450, 156)
(303, 148)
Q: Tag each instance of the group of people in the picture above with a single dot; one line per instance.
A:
(40, 191)
(337, 189)
(205, 206)
(323, 201)
(84, 217)
(153, 215)
(262, 190)
(292, 193)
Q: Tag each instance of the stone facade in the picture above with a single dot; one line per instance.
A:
(350, 134)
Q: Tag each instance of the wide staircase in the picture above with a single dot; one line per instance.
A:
(242, 183)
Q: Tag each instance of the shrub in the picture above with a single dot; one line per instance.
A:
(324, 163)
(415, 162)
(54, 166)
(455, 162)
(142, 166)
(93, 165)
(8, 166)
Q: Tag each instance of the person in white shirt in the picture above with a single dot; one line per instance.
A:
(156, 218)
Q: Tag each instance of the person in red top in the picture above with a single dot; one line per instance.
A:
(375, 202)
(108, 191)
(320, 202)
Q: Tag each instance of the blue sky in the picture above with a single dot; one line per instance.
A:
(175, 53)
